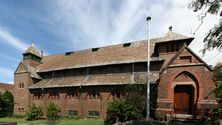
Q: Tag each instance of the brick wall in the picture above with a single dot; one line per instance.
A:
(191, 72)
(84, 103)
(6, 87)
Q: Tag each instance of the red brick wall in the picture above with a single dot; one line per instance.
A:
(83, 104)
(6, 87)
(22, 95)
(204, 85)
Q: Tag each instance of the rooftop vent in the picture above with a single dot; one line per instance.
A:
(126, 44)
(68, 53)
(95, 49)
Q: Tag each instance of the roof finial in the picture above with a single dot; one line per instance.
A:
(33, 44)
(170, 28)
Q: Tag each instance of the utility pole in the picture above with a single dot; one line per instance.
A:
(148, 19)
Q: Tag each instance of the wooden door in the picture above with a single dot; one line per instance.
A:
(183, 99)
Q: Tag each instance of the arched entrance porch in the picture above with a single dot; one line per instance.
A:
(186, 93)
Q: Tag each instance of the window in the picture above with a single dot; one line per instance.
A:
(73, 113)
(93, 113)
(68, 53)
(93, 96)
(187, 59)
(53, 95)
(21, 85)
(115, 95)
(37, 96)
(126, 44)
(168, 48)
(177, 47)
(72, 96)
(172, 48)
(95, 49)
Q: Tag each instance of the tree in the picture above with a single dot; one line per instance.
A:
(136, 94)
(123, 110)
(213, 38)
(1, 106)
(218, 82)
(7, 103)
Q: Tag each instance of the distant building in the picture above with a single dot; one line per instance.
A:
(82, 83)
(6, 87)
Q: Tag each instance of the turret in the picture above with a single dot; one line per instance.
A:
(32, 56)
(25, 76)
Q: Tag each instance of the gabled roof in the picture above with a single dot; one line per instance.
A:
(28, 69)
(33, 50)
(172, 36)
(179, 52)
(113, 54)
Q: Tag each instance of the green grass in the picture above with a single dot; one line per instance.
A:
(62, 121)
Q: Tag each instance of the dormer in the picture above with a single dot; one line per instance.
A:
(171, 42)
(32, 56)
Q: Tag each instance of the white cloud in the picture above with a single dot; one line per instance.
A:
(12, 40)
(6, 75)
(184, 21)
(88, 24)
(9, 58)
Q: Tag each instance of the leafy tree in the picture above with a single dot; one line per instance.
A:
(7, 103)
(1, 106)
(34, 113)
(214, 37)
(218, 82)
(52, 113)
(123, 110)
(136, 94)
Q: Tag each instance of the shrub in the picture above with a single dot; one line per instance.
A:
(123, 110)
(34, 113)
(52, 113)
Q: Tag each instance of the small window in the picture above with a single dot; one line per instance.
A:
(72, 96)
(53, 96)
(68, 53)
(95, 49)
(21, 85)
(168, 48)
(172, 49)
(177, 47)
(73, 113)
(115, 95)
(93, 113)
(126, 44)
(93, 96)
(186, 59)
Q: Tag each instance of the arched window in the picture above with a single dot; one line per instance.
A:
(72, 96)
(53, 95)
(115, 95)
(37, 96)
(94, 95)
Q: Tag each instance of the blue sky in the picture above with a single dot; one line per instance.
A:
(57, 26)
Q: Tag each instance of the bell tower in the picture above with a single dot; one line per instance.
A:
(25, 76)
(32, 56)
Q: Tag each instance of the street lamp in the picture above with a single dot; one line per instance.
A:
(148, 19)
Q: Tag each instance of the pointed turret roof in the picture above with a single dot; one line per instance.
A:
(33, 50)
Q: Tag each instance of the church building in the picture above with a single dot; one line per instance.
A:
(82, 83)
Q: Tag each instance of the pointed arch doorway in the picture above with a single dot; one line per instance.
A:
(183, 99)
(186, 93)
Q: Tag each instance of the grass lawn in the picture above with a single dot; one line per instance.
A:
(62, 121)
